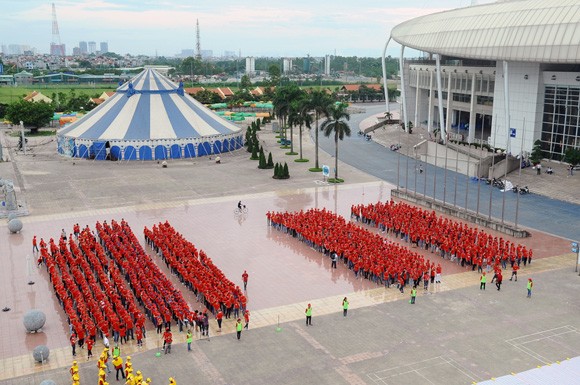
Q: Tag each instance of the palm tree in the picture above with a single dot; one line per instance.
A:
(336, 123)
(303, 119)
(320, 102)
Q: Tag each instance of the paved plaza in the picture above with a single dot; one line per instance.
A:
(454, 334)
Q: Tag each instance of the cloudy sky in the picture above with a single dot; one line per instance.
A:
(254, 27)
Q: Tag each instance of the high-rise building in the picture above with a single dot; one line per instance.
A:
(104, 47)
(287, 65)
(83, 47)
(250, 65)
(92, 47)
(327, 65)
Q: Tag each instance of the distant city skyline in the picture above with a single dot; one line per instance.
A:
(165, 28)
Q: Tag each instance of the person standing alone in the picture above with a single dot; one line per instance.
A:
(308, 313)
(529, 287)
(239, 328)
(482, 281)
(344, 307)
(245, 279)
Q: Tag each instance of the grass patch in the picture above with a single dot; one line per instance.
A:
(256, 158)
(284, 147)
(335, 180)
(301, 160)
(291, 153)
(315, 169)
(31, 134)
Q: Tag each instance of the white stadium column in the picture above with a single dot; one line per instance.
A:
(403, 93)
(472, 114)
(442, 131)
(383, 62)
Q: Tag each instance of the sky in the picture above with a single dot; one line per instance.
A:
(290, 28)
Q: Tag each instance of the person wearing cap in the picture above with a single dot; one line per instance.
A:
(245, 279)
(74, 368)
(247, 319)
(105, 359)
(118, 364)
(239, 328)
(128, 365)
(308, 313)
(90, 343)
(172, 381)
(529, 287)
(138, 377)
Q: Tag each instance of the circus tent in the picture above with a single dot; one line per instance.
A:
(149, 118)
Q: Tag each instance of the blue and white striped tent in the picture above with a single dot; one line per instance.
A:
(149, 118)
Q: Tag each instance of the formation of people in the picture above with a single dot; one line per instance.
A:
(367, 254)
(91, 290)
(451, 239)
(198, 272)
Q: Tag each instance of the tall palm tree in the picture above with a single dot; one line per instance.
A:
(336, 123)
(304, 119)
(320, 102)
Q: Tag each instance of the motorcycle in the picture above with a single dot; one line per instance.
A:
(524, 190)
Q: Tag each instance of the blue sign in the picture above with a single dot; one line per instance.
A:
(325, 170)
(512, 132)
(574, 244)
(574, 250)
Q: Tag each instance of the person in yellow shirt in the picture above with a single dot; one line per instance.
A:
(138, 377)
(172, 381)
(118, 364)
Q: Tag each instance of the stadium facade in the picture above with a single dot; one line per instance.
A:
(521, 56)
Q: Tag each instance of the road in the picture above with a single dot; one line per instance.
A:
(534, 211)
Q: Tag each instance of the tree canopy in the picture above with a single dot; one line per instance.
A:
(32, 114)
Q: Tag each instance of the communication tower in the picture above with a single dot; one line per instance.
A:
(197, 41)
(56, 47)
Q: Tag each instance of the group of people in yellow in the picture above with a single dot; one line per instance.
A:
(125, 370)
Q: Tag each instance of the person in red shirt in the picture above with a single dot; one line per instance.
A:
(90, 343)
(167, 340)
(516, 267)
(247, 319)
(498, 280)
(73, 343)
(245, 279)
(219, 317)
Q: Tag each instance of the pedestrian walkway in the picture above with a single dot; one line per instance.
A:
(62, 357)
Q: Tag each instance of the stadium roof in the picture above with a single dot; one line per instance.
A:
(545, 31)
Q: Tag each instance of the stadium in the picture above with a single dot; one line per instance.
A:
(506, 73)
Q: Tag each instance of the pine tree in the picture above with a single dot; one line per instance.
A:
(262, 161)
(276, 170)
(254, 153)
(285, 172)
(250, 143)
(270, 163)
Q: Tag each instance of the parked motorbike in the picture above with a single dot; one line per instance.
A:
(524, 190)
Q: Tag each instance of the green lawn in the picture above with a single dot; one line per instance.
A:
(10, 94)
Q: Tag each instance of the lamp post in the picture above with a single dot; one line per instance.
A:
(22, 136)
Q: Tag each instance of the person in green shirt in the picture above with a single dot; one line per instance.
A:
(189, 339)
(413, 295)
(344, 306)
(308, 313)
(482, 281)
(529, 287)
(239, 328)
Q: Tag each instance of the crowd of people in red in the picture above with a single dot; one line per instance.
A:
(451, 239)
(90, 288)
(367, 254)
(162, 301)
(196, 270)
